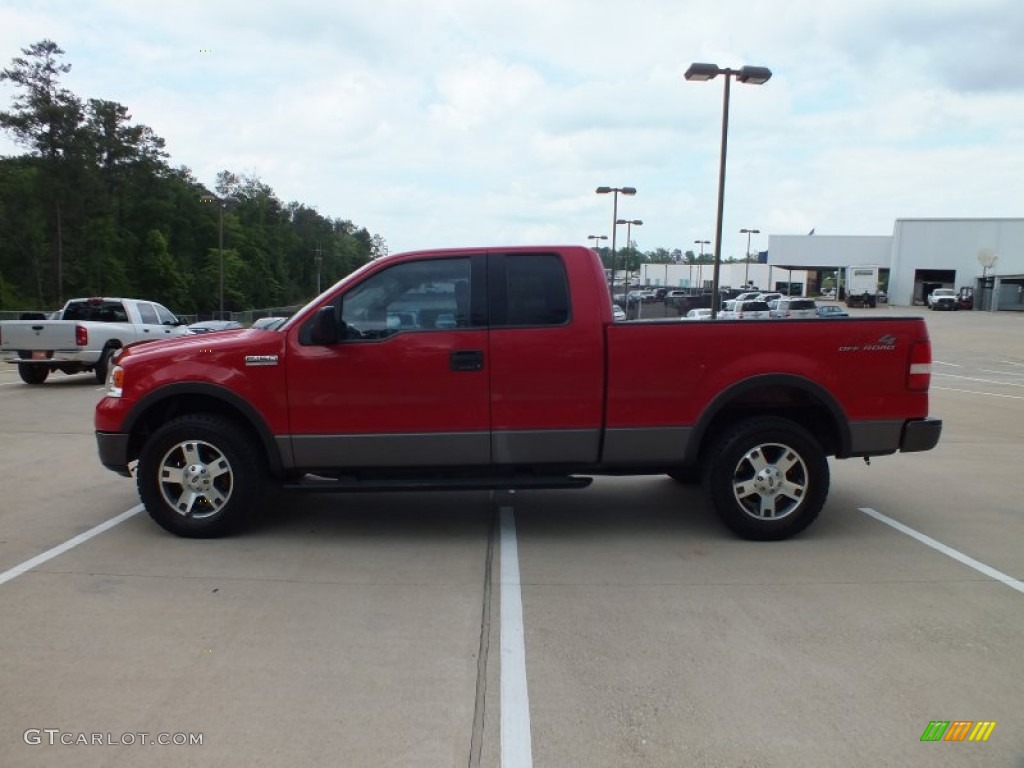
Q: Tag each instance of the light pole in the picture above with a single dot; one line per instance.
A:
(220, 243)
(746, 272)
(629, 224)
(597, 239)
(615, 215)
(745, 74)
(700, 262)
(318, 259)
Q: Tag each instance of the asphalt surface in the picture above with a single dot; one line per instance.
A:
(380, 630)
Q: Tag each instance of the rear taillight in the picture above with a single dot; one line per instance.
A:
(919, 372)
(81, 335)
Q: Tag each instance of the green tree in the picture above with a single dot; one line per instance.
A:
(159, 275)
(47, 119)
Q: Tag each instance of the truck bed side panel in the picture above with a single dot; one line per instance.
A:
(663, 377)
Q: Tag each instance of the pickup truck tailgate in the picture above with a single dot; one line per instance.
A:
(37, 335)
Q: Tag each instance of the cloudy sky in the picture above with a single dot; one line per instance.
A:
(490, 122)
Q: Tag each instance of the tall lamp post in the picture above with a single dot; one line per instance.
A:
(615, 216)
(318, 259)
(597, 239)
(220, 243)
(629, 224)
(700, 261)
(745, 74)
(746, 272)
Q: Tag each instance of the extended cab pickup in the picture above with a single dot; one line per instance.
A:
(85, 337)
(502, 369)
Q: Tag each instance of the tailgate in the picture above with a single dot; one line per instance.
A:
(33, 335)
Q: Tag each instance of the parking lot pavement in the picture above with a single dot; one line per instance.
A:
(363, 630)
(323, 637)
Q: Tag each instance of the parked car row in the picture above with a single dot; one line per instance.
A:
(211, 326)
(785, 308)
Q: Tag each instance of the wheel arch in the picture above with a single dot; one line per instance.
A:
(785, 395)
(173, 400)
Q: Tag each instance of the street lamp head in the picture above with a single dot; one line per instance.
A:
(754, 75)
(603, 190)
(623, 190)
(597, 237)
(699, 71)
(634, 222)
(750, 231)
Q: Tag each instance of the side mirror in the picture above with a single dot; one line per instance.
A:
(325, 327)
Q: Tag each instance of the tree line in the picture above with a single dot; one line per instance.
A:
(94, 208)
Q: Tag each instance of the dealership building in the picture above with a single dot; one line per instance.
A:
(920, 255)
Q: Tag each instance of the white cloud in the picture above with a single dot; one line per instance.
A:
(460, 122)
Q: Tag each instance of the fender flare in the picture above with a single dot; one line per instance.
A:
(727, 396)
(252, 417)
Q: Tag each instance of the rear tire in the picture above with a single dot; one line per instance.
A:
(768, 479)
(33, 374)
(199, 476)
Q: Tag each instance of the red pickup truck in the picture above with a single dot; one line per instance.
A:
(502, 368)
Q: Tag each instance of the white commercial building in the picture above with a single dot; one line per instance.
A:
(921, 254)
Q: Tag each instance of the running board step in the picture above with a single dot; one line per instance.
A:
(349, 484)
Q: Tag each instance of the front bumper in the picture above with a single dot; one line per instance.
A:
(113, 450)
(920, 435)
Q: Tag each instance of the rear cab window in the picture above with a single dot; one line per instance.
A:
(528, 290)
(96, 310)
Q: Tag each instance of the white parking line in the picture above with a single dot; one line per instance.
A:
(976, 392)
(516, 744)
(970, 562)
(1001, 373)
(982, 381)
(60, 549)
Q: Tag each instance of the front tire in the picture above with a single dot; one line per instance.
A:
(103, 365)
(768, 479)
(199, 477)
(33, 374)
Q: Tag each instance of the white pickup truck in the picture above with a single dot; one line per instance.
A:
(943, 298)
(85, 337)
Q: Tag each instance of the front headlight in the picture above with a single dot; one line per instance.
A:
(115, 381)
